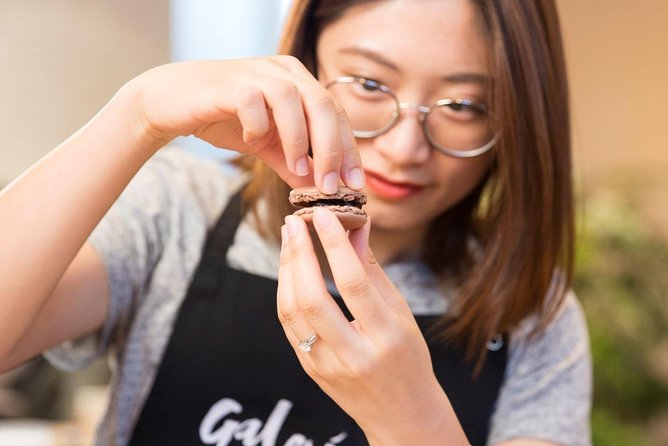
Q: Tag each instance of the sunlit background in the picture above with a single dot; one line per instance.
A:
(62, 60)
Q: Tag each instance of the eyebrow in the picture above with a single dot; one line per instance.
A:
(370, 54)
(467, 78)
(455, 78)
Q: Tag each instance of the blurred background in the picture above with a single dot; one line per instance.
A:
(63, 60)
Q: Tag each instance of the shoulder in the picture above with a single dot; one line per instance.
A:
(568, 327)
(560, 352)
(178, 175)
(548, 384)
(562, 345)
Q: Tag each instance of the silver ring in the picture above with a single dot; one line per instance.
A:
(306, 345)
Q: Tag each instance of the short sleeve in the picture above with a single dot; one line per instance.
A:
(547, 391)
(169, 194)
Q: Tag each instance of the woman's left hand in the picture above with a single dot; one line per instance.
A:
(377, 368)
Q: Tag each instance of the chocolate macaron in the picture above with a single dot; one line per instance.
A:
(346, 204)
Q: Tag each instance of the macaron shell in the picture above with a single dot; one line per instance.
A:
(350, 217)
(304, 195)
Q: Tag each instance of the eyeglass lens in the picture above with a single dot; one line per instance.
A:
(452, 124)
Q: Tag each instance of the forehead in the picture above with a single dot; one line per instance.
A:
(421, 37)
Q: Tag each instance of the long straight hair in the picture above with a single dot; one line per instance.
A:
(510, 242)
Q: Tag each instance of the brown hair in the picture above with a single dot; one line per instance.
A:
(521, 215)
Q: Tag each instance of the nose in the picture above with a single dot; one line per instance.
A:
(405, 142)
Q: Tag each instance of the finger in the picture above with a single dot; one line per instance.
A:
(305, 116)
(356, 287)
(313, 301)
(275, 136)
(269, 104)
(285, 100)
(275, 159)
(359, 240)
(296, 328)
(252, 112)
(351, 172)
(334, 148)
(320, 359)
(325, 137)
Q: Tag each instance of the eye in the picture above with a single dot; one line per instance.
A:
(370, 84)
(369, 89)
(463, 109)
(467, 105)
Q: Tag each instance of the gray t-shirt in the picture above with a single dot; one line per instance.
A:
(151, 241)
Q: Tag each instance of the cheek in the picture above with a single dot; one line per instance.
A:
(364, 148)
(458, 177)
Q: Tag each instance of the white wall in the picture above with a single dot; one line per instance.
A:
(63, 59)
(60, 62)
(222, 29)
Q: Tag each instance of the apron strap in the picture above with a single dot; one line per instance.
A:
(220, 238)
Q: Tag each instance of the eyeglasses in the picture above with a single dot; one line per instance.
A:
(456, 127)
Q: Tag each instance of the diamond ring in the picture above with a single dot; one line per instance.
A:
(306, 345)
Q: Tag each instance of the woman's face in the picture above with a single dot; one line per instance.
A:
(423, 51)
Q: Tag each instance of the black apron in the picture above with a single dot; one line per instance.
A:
(230, 377)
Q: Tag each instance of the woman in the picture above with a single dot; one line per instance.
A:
(456, 329)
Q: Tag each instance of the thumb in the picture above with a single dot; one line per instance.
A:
(359, 239)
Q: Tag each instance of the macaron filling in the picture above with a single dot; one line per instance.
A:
(333, 202)
(347, 204)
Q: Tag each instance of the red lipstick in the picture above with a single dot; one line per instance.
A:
(390, 190)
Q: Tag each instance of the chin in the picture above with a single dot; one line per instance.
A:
(409, 214)
(393, 220)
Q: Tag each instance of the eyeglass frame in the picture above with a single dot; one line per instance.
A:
(423, 111)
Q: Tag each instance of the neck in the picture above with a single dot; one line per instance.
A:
(389, 246)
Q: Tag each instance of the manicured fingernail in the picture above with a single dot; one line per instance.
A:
(330, 182)
(292, 225)
(301, 166)
(284, 236)
(322, 219)
(356, 178)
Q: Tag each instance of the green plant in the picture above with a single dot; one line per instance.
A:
(622, 282)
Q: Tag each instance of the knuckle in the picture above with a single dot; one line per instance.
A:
(328, 372)
(334, 241)
(286, 90)
(354, 287)
(301, 140)
(298, 251)
(249, 95)
(326, 156)
(391, 348)
(331, 156)
(324, 102)
(284, 258)
(398, 343)
(341, 113)
(349, 150)
(311, 308)
(311, 370)
(286, 315)
(362, 370)
(288, 59)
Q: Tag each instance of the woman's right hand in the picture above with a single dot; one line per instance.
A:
(54, 287)
(271, 108)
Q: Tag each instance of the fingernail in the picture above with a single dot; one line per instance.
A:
(356, 178)
(284, 236)
(330, 182)
(292, 225)
(301, 166)
(322, 219)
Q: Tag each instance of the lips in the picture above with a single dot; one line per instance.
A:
(390, 190)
